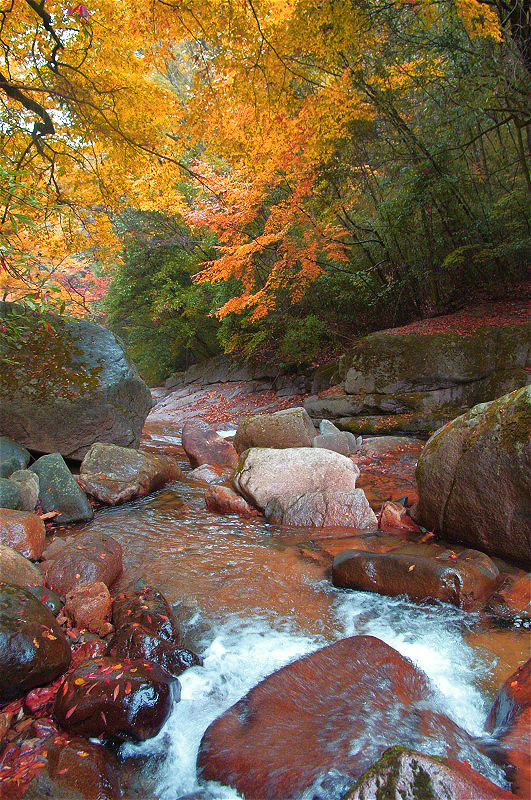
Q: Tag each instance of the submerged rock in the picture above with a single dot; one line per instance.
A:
(203, 445)
(58, 491)
(328, 509)
(291, 428)
(474, 478)
(81, 559)
(23, 531)
(33, 648)
(104, 697)
(115, 474)
(264, 474)
(334, 710)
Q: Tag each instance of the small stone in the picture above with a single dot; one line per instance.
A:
(23, 531)
(28, 485)
(223, 500)
(89, 606)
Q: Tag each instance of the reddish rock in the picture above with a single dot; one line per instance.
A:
(144, 606)
(5, 723)
(136, 642)
(513, 598)
(23, 531)
(510, 722)
(89, 606)
(203, 445)
(81, 559)
(17, 570)
(117, 700)
(394, 516)
(41, 700)
(91, 648)
(222, 500)
(403, 773)
(115, 474)
(327, 509)
(209, 473)
(462, 579)
(337, 709)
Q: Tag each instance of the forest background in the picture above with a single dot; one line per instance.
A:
(265, 178)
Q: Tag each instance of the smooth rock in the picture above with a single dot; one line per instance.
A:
(137, 642)
(463, 579)
(338, 442)
(23, 531)
(209, 473)
(223, 500)
(474, 478)
(115, 474)
(87, 391)
(89, 606)
(203, 445)
(12, 457)
(512, 600)
(16, 569)
(33, 648)
(394, 516)
(103, 697)
(81, 559)
(404, 774)
(144, 606)
(337, 709)
(328, 509)
(49, 597)
(58, 491)
(10, 496)
(282, 429)
(28, 486)
(266, 473)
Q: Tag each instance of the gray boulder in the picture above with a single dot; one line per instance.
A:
(282, 429)
(58, 491)
(12, 457)
(328, 509)
(10, 496)
(474, 478)
(27, 483)
(72, 387)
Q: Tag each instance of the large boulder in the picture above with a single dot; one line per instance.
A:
(404, 774)
(115, 474)
(27, 483)
(474, 478)
(328, 509)
(12, 457)
(10, 496)
(336, 710)
(291, 428)
(463, 579)
(16, 569)
(203, 445)
(23, 531)
(81, 559)
(33, 648)
(58, 491)
(104, 697)
(265, 473)
(72, 387)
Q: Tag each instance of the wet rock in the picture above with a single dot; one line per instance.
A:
(509, 720)
(23, 531)
(81, 559)
(512, 600)
(474, 478)
(223, 500)
(12, 457)
(115, 474)
(5, 723)
(47, 596)
(327, 509)
(209, 473)
(463, 580)
(394, 516)
(203, 445)
(103, 399)
(58, 491)
(17, 570)
(10, 496)
(337, 709)
(136, 642)
(89, 606)
(28, 486)
(104, 697)
(76, 770)
(291, 428)
(145, 606)
(33, 648)
(266, 473)
(403, 774)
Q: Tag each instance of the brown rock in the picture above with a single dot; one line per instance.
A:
(203, 445)
(145, 606)
(462, 580)
(290, 428)
(89, 606)
(5, 723)
(328, 509)
(81, 559)
(17, 570)
(337, 709)
(23, 531)
(394, 516)
(513, 598)
(135, 642)
(120, 701)
(223, 500)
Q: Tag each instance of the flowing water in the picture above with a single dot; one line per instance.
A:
(252, 599)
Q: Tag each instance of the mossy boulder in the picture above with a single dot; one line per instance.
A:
(12, 457)
(67, 383)
(58, 491)
(290, 428)
(474, 478)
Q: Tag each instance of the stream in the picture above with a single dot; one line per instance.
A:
(252, 598)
